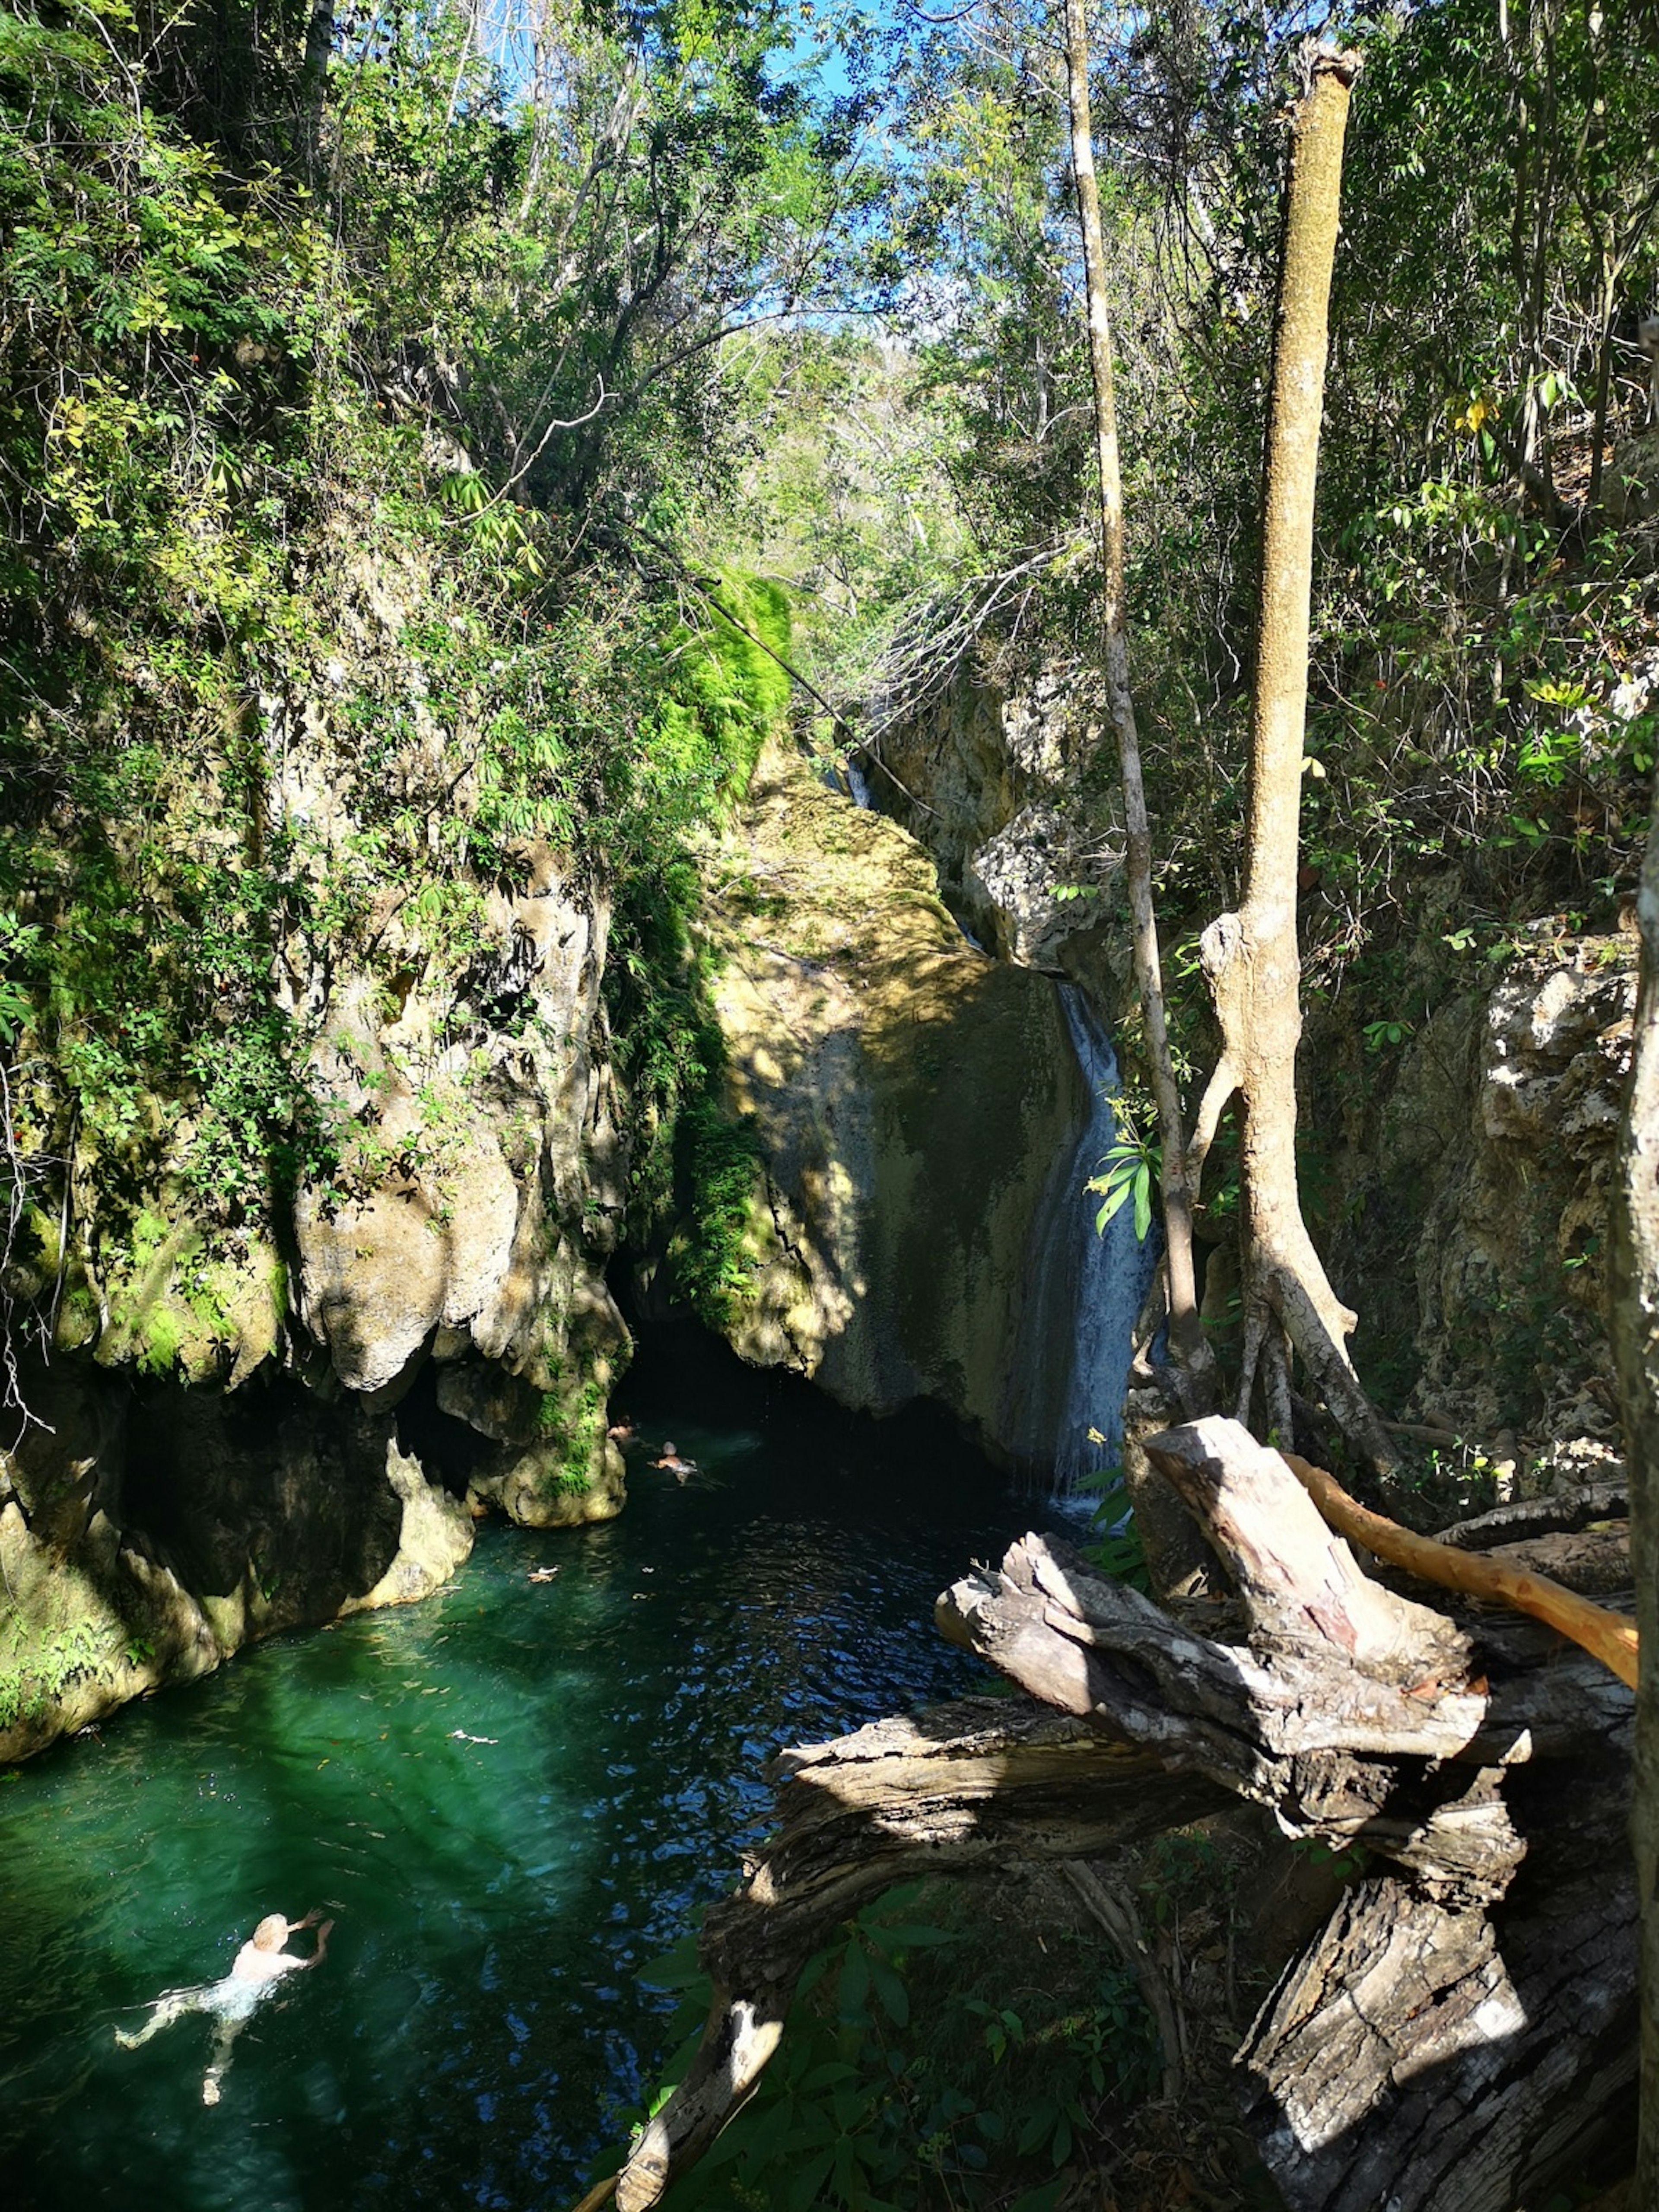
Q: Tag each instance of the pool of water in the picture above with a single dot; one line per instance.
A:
(510, 1798)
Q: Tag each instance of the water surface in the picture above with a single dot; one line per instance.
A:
(511, 1797)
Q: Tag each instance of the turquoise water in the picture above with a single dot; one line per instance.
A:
(478, 2020)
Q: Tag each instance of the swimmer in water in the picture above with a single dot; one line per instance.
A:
(678, 1467)
(259, 1964)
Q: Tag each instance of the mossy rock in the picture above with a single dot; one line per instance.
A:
(906, 1097)
(177, 1306)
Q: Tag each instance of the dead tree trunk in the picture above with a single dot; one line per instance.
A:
(1251, 958)
(1461, 2029)
(1635, 1319)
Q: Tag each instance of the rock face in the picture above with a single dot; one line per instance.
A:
(1458, 1178)
(984, 776)
(148, 1532)
(475, 1204)
(249, 1390)
(909, 1096)
(216, 1452)
(1473, 1203)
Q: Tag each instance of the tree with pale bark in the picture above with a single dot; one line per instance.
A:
(1250, 958)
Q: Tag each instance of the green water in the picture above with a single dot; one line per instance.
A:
(478, 2021)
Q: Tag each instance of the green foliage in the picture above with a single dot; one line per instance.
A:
(571, 1422)
(249, 515)
(908, 2078)
(1129, 1171)
(1114, 1546)
(1385, 1032)
(691, 1164)
(717, 1173)
(30, 1683)
(844, 489)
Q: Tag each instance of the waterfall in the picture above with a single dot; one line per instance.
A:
(848, 780)
(1087, 1290)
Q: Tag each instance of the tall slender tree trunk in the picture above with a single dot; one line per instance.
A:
(313, 82)
(1251, 958)
(1635, 1329)
(1194, 1362)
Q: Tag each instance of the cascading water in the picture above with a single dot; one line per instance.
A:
(1087, 1290)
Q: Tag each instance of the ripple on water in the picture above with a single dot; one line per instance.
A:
(510, 1797)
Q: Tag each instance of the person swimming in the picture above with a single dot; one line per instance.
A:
(258, 1967)
(674, 1464)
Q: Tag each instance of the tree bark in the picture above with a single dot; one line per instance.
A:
(1635, 1329)
(1465, 2053)
(1194, 1363)
(1251, 958)
(1461, 2029)
(314, 84)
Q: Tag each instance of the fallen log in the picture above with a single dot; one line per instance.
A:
(1461, 2027)
(964, 1789)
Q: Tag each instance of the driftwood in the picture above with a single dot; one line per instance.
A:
(1459, 2031)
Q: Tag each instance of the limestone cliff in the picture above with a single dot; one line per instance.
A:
(1456, 1160)
(475, 1202)
(907, 1096)
(243, 1402)
(985, 772)
(1467, 1173)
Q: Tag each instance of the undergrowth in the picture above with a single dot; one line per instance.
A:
(928, 2060)
(286, 691)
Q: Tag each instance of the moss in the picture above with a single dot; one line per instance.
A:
(759, 625)
(158, 1338)
(78, 1319)
(720, 1180)
(177, 1306)
(32, 1259)
(571, 1423)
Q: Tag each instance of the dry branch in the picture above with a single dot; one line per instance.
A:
(964, 1789)
(1607, 1636)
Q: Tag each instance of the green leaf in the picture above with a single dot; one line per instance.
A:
(853, 1997)
(1143, 1202)
(804, 2187)
(677, 1969)
(910, 1937)
(894, 1999)
(1039, 2124)
(1040, 2199)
